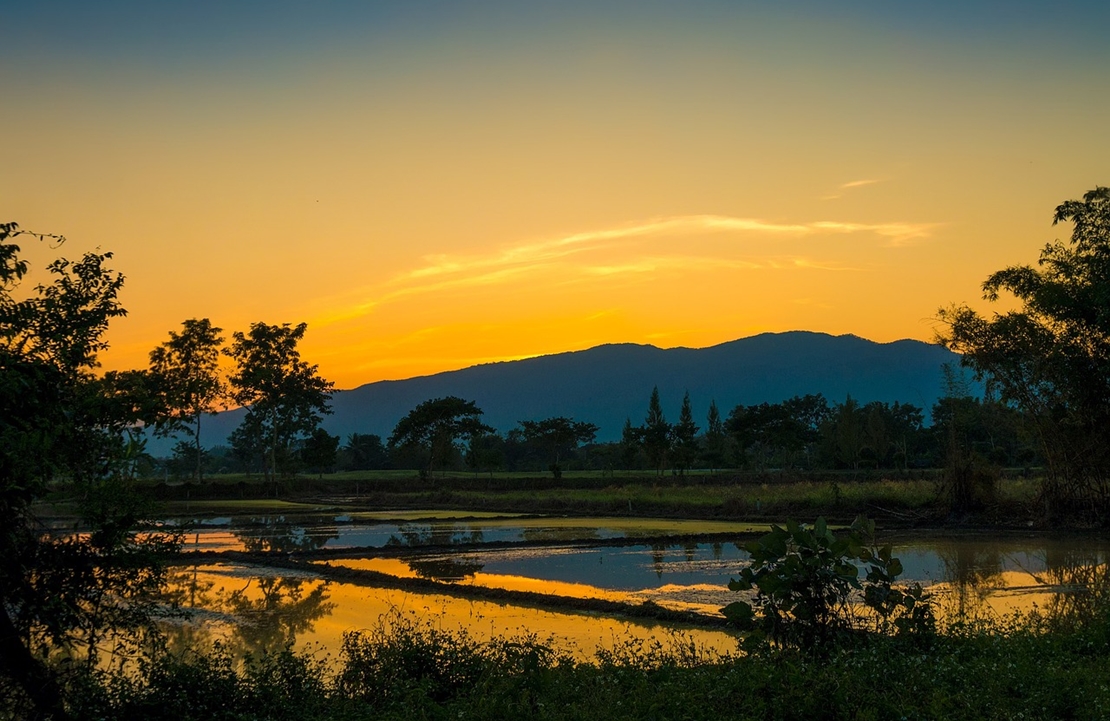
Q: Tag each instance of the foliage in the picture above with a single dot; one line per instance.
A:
(434, 425)
(1051, 356)
(485, 452)
(1004, 669)
(684, 436)
(284, 396)
(319, 451)
(779, 432)
(715, 438)
(365, 452)
(655, 434)
(62, 426)
(806, 580)
(559, 436)
(186, 378)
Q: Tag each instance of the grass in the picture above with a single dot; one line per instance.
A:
(886, 499)
(833, 496)
(1009, 669)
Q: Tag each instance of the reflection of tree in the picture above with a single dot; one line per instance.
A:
(276, 534)
(1082, 578)
(270, 616)
(718, 550)
(436, 534)
(690, 549)
(265, 614)
(973, 569)
(445, 568)
(658, 556)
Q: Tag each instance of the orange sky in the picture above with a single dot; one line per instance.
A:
(434, 185)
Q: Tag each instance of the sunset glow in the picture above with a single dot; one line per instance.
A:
(433, 185)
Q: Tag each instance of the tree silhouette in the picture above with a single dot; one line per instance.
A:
(434, 425)
(559, 436)
(283, 396)
(61, 425)
(714, 437)
(685, 437)
(365, 452)
(318, 453)
(186, 376)
(656, 433)
(1051, 356)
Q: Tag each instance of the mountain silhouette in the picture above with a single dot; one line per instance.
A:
(609, 383)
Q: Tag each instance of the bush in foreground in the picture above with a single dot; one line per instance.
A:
(1022, 667)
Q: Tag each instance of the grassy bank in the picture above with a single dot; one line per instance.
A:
(755, 498)
(1018, 669)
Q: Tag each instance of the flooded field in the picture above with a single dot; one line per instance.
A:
(678, 565)
(288, 533)
(255, 608)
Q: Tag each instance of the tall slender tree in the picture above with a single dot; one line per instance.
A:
(685, 437)
(186, 375)
(714, 437)
(656, 434)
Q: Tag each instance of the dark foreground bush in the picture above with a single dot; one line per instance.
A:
(1000, 670)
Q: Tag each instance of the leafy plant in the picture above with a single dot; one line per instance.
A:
(809, 593)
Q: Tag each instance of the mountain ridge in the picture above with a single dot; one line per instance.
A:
(609, 383)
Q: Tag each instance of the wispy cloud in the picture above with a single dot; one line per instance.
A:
(604, 253)
(858, 183)
(849, 185)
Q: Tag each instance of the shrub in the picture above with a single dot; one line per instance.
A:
(809, 591)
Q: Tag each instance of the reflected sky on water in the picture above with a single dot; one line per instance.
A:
(256, 608)
(970, 574)
(310, 532)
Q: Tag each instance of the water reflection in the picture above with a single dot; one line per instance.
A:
(445, 568)
(292, 533)
(252, 612)
(436, 534)
(255, 609)
(260, 534)
(974, 576)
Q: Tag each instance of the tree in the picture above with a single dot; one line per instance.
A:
(778, 432)
(655, 436)
(61, 426)
(186, 375)
(485, 452)
(847, 426)
(434, 425)
(685, 434)
(318, 451)
(714, 437)
(1051, 356)
(283, 395)
(365, 452)
(559, 436)
(631, 442)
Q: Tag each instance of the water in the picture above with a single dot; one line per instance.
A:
(970, 575)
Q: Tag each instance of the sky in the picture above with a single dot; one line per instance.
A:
(431, 185)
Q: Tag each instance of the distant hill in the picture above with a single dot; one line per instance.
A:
(609, 383)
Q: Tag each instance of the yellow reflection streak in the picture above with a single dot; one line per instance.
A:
(356, 608)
